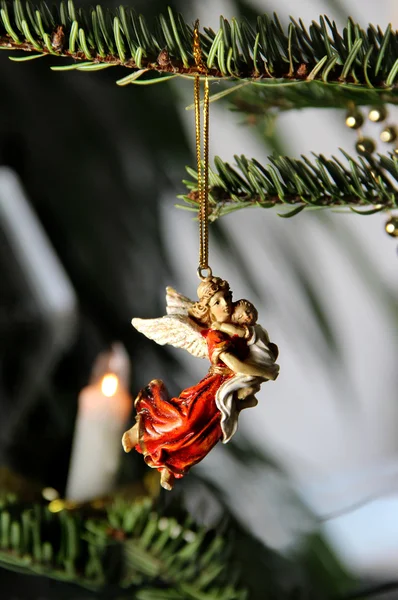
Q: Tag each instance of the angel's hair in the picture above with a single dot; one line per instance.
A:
(249, 307)
(200, 311)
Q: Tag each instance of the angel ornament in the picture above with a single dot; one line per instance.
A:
(173, 434)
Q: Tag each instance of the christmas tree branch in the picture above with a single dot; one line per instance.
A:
(363, 60)
(363, 183)
(257, 100)
(126, 544)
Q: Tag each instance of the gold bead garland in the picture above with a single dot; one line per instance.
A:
(354, 119)
(389, 134)
(391, 226)
(377, 114)
(365, 146)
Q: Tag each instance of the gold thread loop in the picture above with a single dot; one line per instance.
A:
(197, 50)
(202, 167)
(197, 137)
(204, 204)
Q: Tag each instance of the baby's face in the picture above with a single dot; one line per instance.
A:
(242, 316)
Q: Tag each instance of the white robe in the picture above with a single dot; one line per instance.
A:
(260, 354)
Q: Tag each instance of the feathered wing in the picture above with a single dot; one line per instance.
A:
(177, 330)
(176, 303)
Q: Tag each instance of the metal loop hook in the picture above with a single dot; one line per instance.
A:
(201, 275)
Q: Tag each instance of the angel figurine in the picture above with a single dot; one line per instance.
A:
(173, 434)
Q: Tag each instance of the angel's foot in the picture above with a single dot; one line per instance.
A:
(249, 402)
(243, 393)
(130, 439)
(167, 479)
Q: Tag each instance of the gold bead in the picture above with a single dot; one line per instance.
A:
(354, 120)
(395, 151)
(56, 506)
(391, 226)
(377, 114)
(389, 134)
(365, 146)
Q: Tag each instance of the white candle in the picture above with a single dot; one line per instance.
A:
(104, 408)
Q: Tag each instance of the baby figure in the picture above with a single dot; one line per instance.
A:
(261, 350)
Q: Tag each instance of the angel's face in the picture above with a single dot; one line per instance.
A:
(220, 307)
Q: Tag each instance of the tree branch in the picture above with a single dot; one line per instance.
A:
(125, 543)
(364, 182)
(267, 53)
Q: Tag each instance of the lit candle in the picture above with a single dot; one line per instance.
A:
(104, 408)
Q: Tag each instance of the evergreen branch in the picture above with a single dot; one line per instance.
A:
(125, 543)
(256, 100)
(363, 183)
(266, 52)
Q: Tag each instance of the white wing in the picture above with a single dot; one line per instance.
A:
(177, 330)
(176, 303)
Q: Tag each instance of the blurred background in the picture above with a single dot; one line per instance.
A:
(90, 237)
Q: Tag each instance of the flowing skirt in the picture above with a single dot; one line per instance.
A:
(178, 432)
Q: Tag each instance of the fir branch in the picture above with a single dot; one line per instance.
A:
(257, 100)
(267, 52)
(125, 543)
(363, 183)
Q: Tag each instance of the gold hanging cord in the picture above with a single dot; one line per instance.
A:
(203, 167)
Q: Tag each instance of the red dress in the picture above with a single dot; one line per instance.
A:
(178, 432)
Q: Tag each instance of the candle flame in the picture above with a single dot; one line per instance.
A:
(109, 385)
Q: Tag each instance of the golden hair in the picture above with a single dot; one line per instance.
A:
(200, 311)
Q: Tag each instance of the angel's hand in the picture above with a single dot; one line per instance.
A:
(267, 371)
(271, 372)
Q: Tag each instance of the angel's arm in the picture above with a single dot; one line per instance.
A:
(247, 368)
(241, 331)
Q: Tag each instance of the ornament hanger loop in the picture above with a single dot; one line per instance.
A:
(202, 166)
(201, 273)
